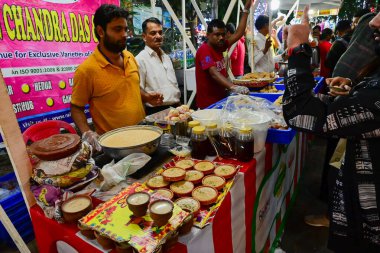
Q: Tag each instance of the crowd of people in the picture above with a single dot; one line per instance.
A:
(122, 89)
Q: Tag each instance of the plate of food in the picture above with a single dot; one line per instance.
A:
(256, 80)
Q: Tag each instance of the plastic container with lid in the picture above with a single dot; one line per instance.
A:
(199, 143)
(226, 142)
(245, 144)
(212, 134)
(191, 125)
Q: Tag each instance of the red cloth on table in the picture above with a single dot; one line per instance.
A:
(225, 225)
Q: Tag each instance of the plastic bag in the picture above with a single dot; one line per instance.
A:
(113, 173)
(243, 111)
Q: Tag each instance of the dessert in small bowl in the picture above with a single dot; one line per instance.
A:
(194, 176)
(104, 241)
(205, 166)
(157, 182)
(123, 247)
(166, 193)
(226, 171)
(217, 182)
(189, 203)
(161, 211)
(174, 174)
(206, 195)
(138, 203)
(185, 164)
(76, 207)
(86, 232)
(182, 188)
(187, 223)
(171, 240)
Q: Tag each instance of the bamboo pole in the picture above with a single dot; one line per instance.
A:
(229, 11)
(7, 223)
(253, 38)
(199, 13)
(270, 29)
(184, 51)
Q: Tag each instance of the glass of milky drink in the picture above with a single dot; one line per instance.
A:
(161, 211)
(138, 203)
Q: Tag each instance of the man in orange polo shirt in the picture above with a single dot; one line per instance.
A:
(109, 80)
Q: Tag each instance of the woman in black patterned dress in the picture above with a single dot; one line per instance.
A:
(355, 194)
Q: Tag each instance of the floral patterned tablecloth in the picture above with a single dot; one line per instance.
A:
(113, 219)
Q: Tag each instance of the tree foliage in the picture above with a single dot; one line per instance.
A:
(348, 8)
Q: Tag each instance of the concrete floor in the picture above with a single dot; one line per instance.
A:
(298, 237)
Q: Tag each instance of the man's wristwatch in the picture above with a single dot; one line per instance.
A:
(245, 11)
(303, 48)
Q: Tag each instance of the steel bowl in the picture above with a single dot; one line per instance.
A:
(119, 153)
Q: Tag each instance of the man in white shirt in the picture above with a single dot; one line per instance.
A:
(264, 58)
(156, 69)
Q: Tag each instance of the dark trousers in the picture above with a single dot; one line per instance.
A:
(331, 145)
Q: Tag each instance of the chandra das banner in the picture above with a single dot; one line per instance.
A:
(41, 44)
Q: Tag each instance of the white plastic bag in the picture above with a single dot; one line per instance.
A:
(113, 173)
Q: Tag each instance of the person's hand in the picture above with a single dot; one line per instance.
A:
(239, 90)
(297, 34)
(268, 44)
(155, 98)
(92, 138)
(343, 84)
(248, 4)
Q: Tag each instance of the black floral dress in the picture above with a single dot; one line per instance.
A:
(355, 192)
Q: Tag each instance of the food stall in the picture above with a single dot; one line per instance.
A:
(246, 214)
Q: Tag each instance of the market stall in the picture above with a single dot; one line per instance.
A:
(266, 185)
(250, 217)
(246, 215)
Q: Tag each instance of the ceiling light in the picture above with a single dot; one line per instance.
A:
(275, 4)
(332, 3)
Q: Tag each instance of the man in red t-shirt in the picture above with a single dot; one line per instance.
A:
(237, 56)
(210, 68)
(324, 48)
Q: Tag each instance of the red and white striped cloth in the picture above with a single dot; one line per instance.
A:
(251, 204)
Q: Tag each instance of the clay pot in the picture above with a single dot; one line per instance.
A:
(88, 233)
(105, 242)
(138, 203)
(170, 241)
(187, 223)
(123, 247)
(76, 207)
(161, 211)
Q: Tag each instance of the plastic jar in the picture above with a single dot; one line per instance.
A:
(212, 134)
(227, 141)
(191, 125)
(245, 144)
(199, 143)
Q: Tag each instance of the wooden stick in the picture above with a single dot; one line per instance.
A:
(270, 28)
(7, 223)
(253, 38)
(15, 145)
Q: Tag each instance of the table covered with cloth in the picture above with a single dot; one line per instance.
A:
(250, 218)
